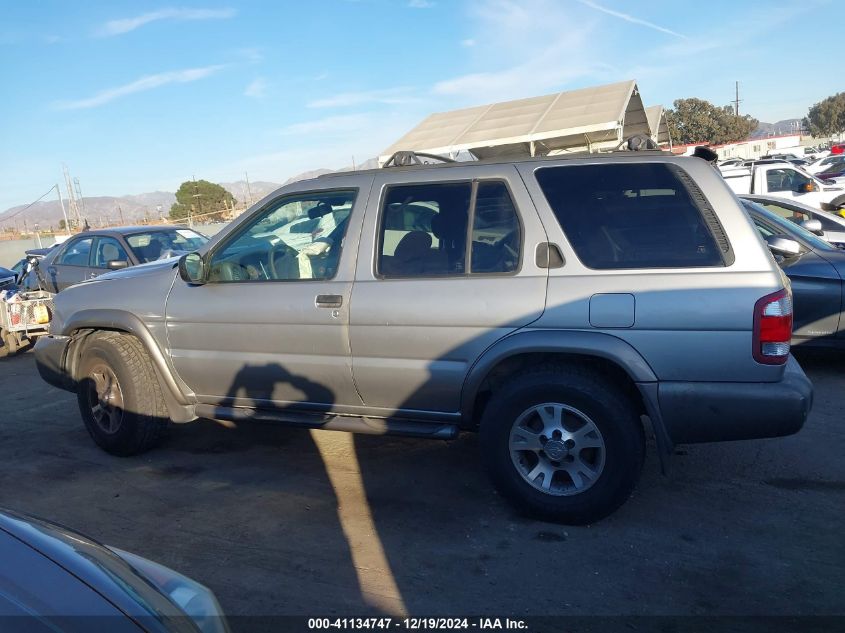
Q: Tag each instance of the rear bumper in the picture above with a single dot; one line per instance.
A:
(50, 355)
(718, 411)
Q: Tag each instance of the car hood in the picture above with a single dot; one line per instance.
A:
(141, 270)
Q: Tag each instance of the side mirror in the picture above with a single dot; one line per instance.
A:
(117, 264)
(813, 226)
(808, 187)
(783, 245)
(192, 268)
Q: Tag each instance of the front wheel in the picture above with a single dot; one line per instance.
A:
(119, 395)
(562, 444)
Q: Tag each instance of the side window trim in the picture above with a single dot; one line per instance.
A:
(474, 183)
(59, 261)
(275, 203)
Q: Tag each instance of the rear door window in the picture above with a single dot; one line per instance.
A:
(638, 215)
(77, 253)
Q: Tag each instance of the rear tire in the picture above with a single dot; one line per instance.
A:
(838, 203)
(10, 342)
(119, 394)
(562, 444)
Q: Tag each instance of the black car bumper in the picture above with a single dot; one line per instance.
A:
(50, 358)
(717, 411)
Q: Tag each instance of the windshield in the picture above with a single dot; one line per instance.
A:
(790, 229)
(152, 245)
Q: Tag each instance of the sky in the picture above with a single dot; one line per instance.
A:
(140, 96)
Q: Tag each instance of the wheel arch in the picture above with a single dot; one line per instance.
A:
(82, 324)
(607, 354)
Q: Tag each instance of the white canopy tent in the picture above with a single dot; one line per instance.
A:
(590, 119)
(658, 125)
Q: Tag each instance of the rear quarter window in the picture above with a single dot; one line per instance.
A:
(643, 215)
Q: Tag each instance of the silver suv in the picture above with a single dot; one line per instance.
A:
(560, 307)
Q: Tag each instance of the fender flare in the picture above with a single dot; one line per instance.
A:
(596, 344)
(179, 403)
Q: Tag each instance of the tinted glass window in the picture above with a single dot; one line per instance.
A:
(77, 253)
(784, 180)
(424, 230)
(297, 237)
(108, 250)
(496, 236)
(629, 216)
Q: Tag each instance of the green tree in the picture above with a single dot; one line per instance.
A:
(203, 198)
(827, 117)
(62, 225)
(698, 121)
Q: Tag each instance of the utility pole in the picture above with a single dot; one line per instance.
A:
(79, 194)
(248, 189)
(120, 213)
(74, 208)
(737, 100)
(64, 213)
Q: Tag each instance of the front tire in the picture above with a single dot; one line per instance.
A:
(119, 395)
(562, 444)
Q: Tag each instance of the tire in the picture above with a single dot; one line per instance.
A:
(10, 342)
(119, 394)
(560, 481)
(838, 203)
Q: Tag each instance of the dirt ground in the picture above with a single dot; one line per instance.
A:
(282, 521)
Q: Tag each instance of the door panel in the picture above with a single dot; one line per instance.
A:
(415, 336)
(267, 343)
(71, 265)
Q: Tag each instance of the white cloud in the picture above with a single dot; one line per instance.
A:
(566, 49)
(141, 85)
(125, 25)
(420, 4)
(341, 124)
(256, 88)
(630, 18)
(468, 43)
(389, 96)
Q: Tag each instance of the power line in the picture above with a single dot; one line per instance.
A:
(17, 213)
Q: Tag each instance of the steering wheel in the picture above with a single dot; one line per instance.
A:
(272, 254)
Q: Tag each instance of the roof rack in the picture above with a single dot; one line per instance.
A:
(409, 158)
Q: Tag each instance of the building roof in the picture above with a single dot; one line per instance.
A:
(589, 118)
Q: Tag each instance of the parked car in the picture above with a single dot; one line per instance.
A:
(837, 149)
(56, 579)
(91, 253)
(782, 179)
(833, 172)
(825, 163)
(816, 270)
(830, 225)
(547, 304)
(8, 278)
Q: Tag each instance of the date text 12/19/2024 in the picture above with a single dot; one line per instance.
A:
(417, 624)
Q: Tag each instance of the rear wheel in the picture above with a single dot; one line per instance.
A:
(119, 395)
(11, 344)
(561, 443)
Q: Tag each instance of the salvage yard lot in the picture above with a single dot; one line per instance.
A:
(283, 521)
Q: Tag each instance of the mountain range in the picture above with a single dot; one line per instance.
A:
(135, 208)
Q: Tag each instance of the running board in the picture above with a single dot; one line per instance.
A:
(330, 422)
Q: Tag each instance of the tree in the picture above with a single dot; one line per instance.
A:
(827, 117)
(62, 225)
(699, 121)
(202, 198)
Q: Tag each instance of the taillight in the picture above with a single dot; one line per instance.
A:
(772, 328)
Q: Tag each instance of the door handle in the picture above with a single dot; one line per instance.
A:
(329, 301)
